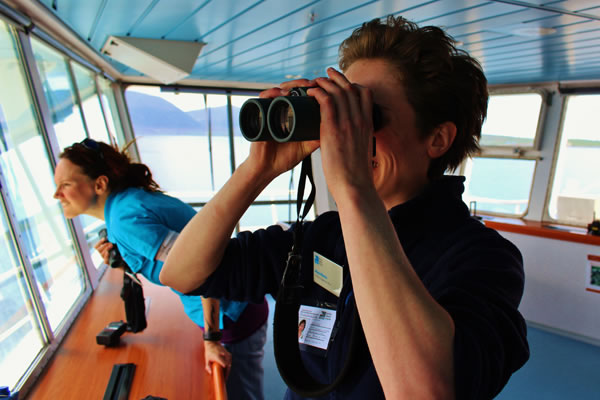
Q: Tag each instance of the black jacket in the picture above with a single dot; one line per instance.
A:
(472, 271)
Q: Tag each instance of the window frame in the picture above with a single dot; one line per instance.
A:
(565, 94)
(532, 152)
(51, 338)
(526, 152)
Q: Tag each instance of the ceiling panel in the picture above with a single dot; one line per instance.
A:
(301, 27)
(509, 47)
(268, 41)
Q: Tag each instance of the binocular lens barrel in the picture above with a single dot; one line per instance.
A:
(253, 119)
(294, 119)
(286, 119)
(281, 120)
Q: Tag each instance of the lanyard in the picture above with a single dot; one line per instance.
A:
(285, 322)
(291, 289)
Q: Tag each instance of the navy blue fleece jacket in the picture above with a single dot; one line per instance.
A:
(472, 271)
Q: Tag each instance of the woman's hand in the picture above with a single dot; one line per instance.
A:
(103, 247)
(216, 352)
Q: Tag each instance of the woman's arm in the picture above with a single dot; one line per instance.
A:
(213, 350)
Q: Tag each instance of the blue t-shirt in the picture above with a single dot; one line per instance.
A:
(138, 222)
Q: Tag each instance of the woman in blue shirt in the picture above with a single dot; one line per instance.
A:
(96, 179)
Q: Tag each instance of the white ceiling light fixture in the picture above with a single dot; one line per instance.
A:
(526, 30)
(167, 61)
(534, 31)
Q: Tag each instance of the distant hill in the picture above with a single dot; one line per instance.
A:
(488, 139)
(152, 116)
(583, 143)
(218, 116)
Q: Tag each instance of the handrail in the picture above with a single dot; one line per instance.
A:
(220, 393)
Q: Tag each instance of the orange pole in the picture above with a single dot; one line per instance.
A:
(218, 382)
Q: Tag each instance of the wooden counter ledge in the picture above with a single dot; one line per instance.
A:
(169, 353)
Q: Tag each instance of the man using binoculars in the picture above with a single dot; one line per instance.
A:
(436, 291)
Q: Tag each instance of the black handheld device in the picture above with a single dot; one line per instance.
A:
(114, 257)
(110, 335)
(132, 294)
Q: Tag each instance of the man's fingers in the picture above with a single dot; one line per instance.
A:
(286, 86)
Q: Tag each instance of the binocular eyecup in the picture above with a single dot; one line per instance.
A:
(293, 118)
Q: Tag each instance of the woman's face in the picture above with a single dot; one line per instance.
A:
(301, 327)
(401, 161)
(74, 189)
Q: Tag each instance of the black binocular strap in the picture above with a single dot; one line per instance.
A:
(285, 323)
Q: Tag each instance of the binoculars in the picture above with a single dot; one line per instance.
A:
(115, 259)
(292, 118)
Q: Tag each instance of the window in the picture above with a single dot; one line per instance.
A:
(60, 94)
(512, 120)
(41, 276)
(90, 102)
(184, 137)
(69, 126)
(499, 180)
(575, 195)
(499, 185)
(111, 112)
(20, 335)
(172, 137)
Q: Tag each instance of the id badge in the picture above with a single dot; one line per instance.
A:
(315, 328)
(327, 274)
(317, 322)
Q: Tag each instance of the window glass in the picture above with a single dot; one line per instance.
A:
(499, 185)
(242, 146)
(263, 215)
(512, 120)
(66, 116)
(500, 181)
(171, 131)
(91, 226)
(20, 338)
(28, 177)
(111, 111)
(38, 220)
(60, 94)
(90, 102)
(575, 196)
(220, 150)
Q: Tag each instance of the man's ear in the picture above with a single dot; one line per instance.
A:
(101, 184)
(441, 139)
